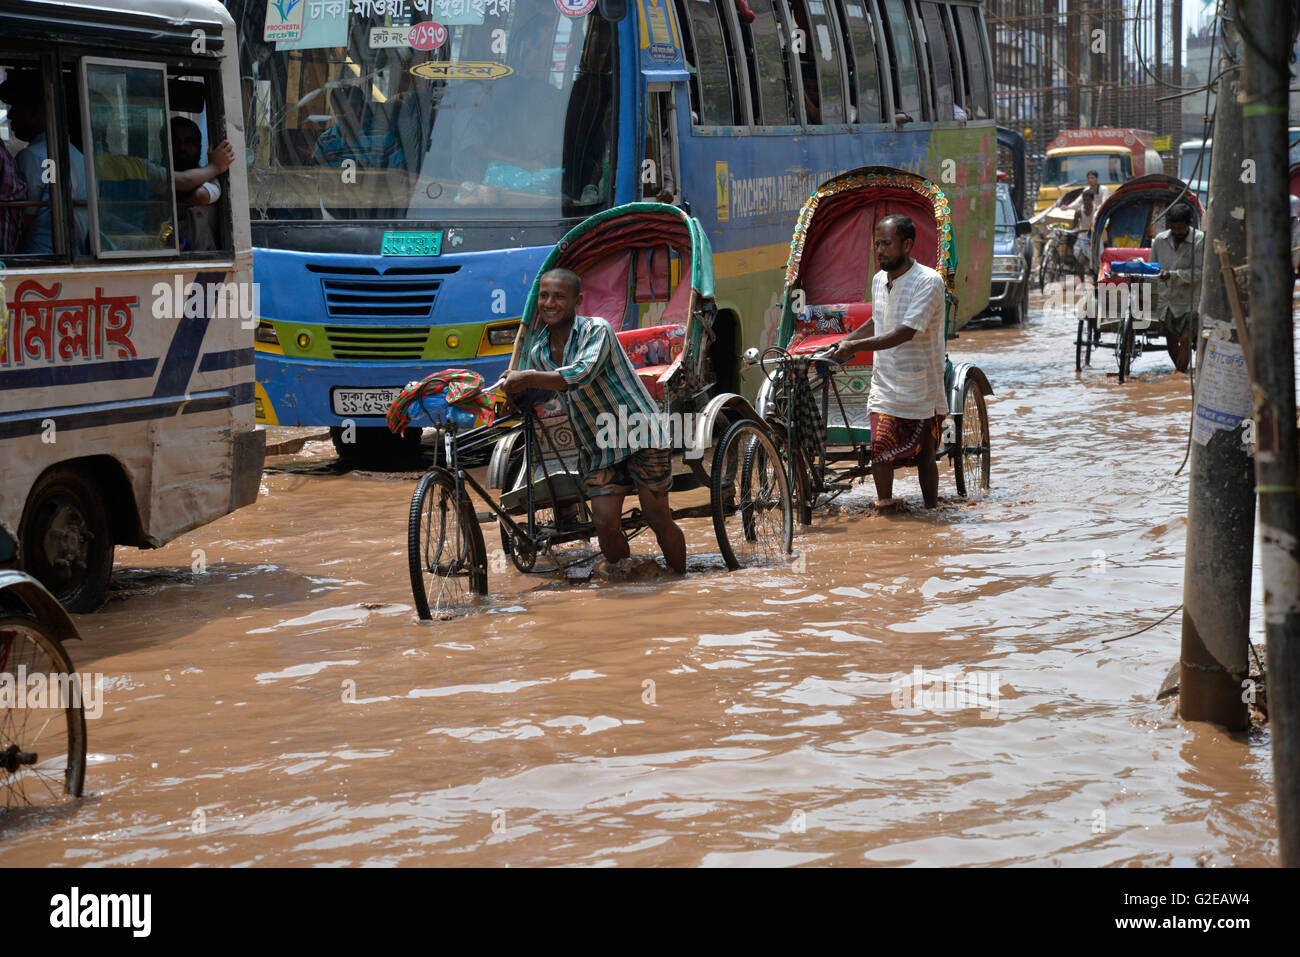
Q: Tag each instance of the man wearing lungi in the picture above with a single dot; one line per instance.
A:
(1179, 251)
(906, 331)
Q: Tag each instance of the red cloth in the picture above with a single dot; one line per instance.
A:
(898, 440)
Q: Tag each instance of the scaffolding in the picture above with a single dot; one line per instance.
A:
(1073, 64)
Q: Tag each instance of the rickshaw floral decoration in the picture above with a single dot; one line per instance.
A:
(947, 256)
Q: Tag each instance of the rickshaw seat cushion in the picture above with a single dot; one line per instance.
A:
(1120, 254)
(651, 377)
(652, 351)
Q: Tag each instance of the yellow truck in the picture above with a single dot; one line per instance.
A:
(1116, 154)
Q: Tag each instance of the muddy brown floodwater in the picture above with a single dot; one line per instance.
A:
(285, 707)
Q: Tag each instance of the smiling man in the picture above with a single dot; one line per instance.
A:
(907, 403)
(579, 357)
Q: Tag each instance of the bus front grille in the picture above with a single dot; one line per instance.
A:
(378, 343)
(370, 299)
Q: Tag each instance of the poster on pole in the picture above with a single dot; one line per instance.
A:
(1222, 390)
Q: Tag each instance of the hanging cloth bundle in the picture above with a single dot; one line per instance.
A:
(452, 395)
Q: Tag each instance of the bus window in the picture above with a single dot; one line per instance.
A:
(825, 51)
(801, 47)
(970, 34)
(960, 75)
(903, 64)
(32, 211)
(941, 72)
(511, 117)
(774, 105)
(714, 96)
(130, 189)
(857, 18)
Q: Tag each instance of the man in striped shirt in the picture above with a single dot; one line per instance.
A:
(579, 357)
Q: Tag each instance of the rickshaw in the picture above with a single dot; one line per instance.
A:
(825, 428)
(1058, 259)
(1120, 314)
(647, 268)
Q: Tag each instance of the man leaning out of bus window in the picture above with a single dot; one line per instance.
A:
(907, 404)
(197, 210)
(579, 357)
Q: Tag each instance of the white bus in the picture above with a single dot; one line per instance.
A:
(126, 333)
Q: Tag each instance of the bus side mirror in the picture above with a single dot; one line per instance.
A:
(1024, 227)
(613, 10)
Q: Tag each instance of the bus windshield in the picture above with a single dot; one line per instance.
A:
(1072, 169)
(502, 109)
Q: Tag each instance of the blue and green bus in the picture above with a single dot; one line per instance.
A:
(411, 162)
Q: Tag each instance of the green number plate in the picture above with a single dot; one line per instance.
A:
(412, 244)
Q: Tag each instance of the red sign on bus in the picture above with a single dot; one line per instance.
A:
(428, 36)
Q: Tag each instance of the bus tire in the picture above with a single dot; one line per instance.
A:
(375, 445)
(64, 539)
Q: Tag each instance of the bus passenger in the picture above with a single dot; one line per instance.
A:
(907, 403)
(360, 133)
(13, 189)
(198, 206)
(25, 95)
(579, 357)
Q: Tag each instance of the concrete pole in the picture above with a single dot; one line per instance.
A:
(1265, 79)
(1221, 496)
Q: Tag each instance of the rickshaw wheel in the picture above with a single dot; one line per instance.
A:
(521, 556)
(1124, 347)
(42, 749)
(972, 461)
(801, 469)
(1080, 345)
(445, 550)
(753, 516)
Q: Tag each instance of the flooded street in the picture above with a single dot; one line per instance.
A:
(282, 705)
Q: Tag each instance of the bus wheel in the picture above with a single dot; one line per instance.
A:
(65, 541)
(376, 445)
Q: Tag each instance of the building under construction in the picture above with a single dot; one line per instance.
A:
(1068, 64)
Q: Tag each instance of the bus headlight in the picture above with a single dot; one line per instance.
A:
(453, 341)
(265, 332)
(304, 341)
(502, 335)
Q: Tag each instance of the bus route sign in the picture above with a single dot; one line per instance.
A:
(412, 244)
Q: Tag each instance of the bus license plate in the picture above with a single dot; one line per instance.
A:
(363, 401)
(411, 244)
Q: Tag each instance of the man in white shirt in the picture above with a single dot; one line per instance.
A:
(907, 404)
(1099, 192)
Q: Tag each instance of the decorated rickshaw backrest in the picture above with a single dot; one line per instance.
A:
(623, 257)
(1132, 215)
(831, 256)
